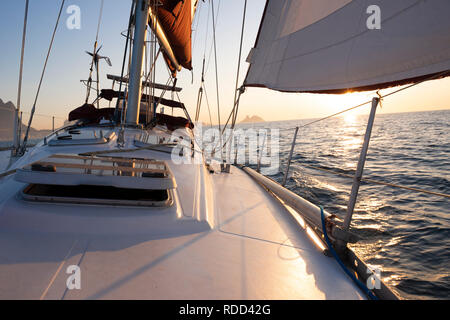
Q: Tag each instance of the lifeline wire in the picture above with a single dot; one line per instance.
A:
(42, 78)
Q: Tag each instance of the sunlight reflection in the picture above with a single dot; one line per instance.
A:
(393, 280)
(313, 236)
(323, 185)
(392, 242)
(371, 204)
(350, 143)
(350, 118)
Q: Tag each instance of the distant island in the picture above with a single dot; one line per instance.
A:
(7, 111)
(252, 119)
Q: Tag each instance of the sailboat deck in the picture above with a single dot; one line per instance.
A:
(224, 238)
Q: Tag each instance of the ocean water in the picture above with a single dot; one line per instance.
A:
(405, 234)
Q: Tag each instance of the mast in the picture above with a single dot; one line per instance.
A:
(163, 40)
(135, 83)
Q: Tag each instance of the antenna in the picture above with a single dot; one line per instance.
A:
(95, 60)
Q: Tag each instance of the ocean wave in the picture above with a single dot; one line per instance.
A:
(403, 231)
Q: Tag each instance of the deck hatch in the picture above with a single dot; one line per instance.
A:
(86, 137)
(98, 180)
(89, 194)
(107, 171)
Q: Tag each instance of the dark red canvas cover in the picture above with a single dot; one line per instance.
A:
(91, 114)
(175, 17)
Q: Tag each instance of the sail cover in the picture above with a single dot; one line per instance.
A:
(175, 17)
(335, 46)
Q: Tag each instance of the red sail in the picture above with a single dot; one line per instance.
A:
(175, 17)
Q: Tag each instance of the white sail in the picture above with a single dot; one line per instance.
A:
(335, 45)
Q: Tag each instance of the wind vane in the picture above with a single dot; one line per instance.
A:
(95, 63)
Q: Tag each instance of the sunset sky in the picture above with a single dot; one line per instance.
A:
(62, 90)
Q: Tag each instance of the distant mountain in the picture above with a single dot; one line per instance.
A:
(252, 119)
(7, 111)
(6, 120)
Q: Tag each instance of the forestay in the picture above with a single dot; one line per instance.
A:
(332, 46)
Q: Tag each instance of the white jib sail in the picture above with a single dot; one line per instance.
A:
(338, 45)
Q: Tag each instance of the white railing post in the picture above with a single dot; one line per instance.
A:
(290, 157)
(360, 167)
(16, 137)
(258, 168)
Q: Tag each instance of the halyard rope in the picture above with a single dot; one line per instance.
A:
(24, 146)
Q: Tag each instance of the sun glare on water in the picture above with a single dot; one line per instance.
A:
(349, 118)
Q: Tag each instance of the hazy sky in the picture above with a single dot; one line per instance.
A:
(62, 90)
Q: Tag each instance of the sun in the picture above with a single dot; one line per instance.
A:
(349, 118)
(339, 102)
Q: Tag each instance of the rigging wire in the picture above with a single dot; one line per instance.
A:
(233, 113)
(368, 180)
(202, 88)
(207, 104)
(99, 20)
(153, 65)
(197, 17)
(432, 77)
(36, 114)
(17, 120)
(236, 105)
(116, 112)
(200, 93)
(94, 61)
(96, 57)
(216, 67)
(171, 80)
(212, 44)
(206, 34)
(237, 98)
(154, 57)
(205, 69)
(25, 140)
(146, 89)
